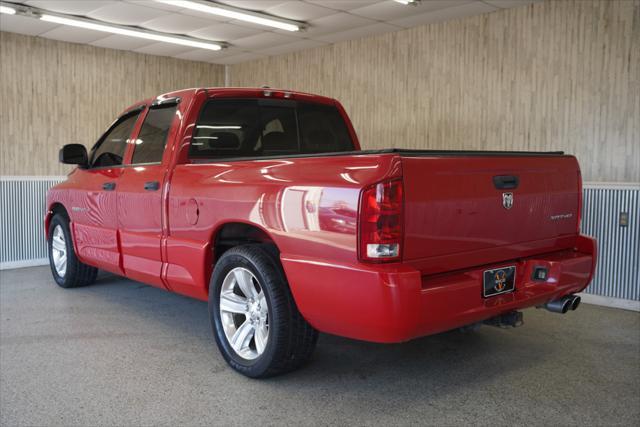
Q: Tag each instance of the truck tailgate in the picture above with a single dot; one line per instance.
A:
(460, 210)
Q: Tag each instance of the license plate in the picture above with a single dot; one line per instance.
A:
(498, 281)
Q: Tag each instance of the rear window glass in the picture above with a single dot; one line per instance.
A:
(254, 128)
(322, 129)
(149, 146)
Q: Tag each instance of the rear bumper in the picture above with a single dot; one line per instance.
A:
(395, 303)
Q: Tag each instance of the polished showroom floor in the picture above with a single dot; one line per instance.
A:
(123, 353)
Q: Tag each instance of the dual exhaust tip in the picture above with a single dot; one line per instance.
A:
(564, 304)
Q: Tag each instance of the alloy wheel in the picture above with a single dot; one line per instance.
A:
(244, 313)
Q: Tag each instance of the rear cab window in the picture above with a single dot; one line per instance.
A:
(230, 128)
(152, 139)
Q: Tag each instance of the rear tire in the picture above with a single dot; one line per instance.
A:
(242, 319)
(66, 268)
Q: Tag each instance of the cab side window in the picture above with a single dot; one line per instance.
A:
(109, 151)
(152, 139)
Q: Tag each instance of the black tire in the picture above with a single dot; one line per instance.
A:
(291, 339)
(77, 274)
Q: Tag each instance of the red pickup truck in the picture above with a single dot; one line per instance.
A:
(260, 202)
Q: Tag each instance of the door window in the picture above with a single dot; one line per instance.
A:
(152, 139)
(109, 150)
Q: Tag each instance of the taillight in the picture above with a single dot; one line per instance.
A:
(381, 222)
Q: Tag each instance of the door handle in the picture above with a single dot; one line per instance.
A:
(109, 186)
(151, 185)
(505, 182)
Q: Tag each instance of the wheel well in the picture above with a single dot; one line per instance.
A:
(56, 208)
(235, 234)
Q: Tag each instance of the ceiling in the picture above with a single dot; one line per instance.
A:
(328, 21)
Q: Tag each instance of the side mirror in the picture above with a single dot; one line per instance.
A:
(74, 154)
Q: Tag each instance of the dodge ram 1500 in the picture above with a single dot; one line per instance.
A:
(261, 202)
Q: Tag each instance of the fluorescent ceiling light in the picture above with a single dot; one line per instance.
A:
(7, 10)
(114, 29)
(229, 12)
(405, 1)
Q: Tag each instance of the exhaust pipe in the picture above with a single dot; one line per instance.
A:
(564, 304)
(575, 302)
(561, 305)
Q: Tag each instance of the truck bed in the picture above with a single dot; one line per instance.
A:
(399, 151)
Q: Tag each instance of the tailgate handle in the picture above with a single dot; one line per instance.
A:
(505, 182)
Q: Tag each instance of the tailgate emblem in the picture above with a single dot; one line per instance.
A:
(507, 200)
(500, 280)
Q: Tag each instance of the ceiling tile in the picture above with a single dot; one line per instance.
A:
(162, 49)
(229, 51)
(208, 16)
(344, 4)
(223, 32)
(359, 32)
(73, 7)
(259, 5)
(248, 56)
(299, 11)
(262, 40)
(260, 28)
(121, 42)
(125, 13)
(510, 3)
(291, 47)
(24, 25)
(339, 22)
(73, 34)
(155, 5)
(388, 10)
(198, 55)
(455, 12)
(176, 23)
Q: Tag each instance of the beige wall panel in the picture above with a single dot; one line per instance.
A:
(557, 75)
(55, 93)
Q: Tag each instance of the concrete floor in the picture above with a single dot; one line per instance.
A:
(123, 353)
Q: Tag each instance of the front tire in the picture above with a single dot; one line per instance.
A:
(66, 268)
(255, 321)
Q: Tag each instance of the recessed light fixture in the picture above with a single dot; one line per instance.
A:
(124, 31)
(234, 13)
(8, 10)
(405, 2)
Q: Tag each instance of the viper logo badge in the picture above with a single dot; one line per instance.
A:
(507, 200)
(500, 280)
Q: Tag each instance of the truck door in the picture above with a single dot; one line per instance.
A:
(140, 196)
(93, 206)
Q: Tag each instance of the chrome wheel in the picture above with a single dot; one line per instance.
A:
(59, 251)
(244, 313)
